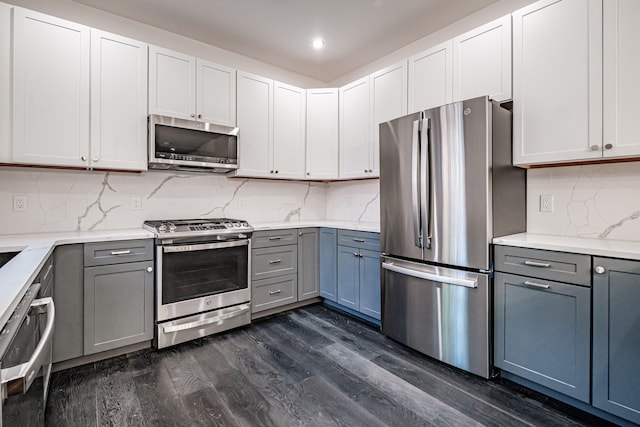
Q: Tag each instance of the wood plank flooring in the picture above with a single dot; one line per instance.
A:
(310, 367)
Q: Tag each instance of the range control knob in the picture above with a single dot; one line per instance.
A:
(162, 227)
(245, 224)
(172, 227)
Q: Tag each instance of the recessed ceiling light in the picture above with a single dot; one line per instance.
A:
(317, 43)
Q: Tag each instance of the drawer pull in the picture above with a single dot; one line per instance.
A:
(359, 240)
(125, 252)
(537, 264)
(275, 261)
(275, 238)
(275, 292)
(536, 285)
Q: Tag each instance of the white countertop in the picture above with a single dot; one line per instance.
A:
(18, 274)
(581, 245)
(345, 225)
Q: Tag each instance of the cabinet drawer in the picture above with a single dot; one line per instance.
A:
(272, 262)
(359, 239)
(550, 265)
(105, 253)
(274, 292)
(267, 239)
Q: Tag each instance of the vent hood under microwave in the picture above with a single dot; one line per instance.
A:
(188, 145)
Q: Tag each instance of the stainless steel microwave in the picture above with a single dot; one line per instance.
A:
(179, 144)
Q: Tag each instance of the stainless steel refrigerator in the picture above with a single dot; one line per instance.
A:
(447, 188)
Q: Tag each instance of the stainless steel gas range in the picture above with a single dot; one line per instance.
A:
(203, 275)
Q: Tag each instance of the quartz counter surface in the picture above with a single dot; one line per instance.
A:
(346, 225)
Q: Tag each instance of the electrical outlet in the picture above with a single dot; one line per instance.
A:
(136, 203)
(19, 203)
(546, 203)
(241, 203)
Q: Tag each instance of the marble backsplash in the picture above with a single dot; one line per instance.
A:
(354, 201)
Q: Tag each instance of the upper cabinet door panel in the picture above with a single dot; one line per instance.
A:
(388, 101)
(621, 34)
(482, 62)
(289, 114)
(118, 102)
(216, 93)
(354, 130)
(172, 83)
(322, 133)
(557, 81)
(430, 78)
(5, 83)
(50, 90)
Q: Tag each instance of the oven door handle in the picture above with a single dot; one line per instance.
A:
(198, 323)
(17, 379)
(205, 246)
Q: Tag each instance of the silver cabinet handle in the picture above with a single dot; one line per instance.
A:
(150, 269)
(600, 269)
(124, 252)
(95, 160)
(300, 233)
(355, 254)
(535, 285)
(595, 147)
(608, 146)
(275, 261)
(193, 115)
(275, 238)
(83, 158)
(359, 240)
(274, 292)
(360, 255)
(537, 264)
(199, 116)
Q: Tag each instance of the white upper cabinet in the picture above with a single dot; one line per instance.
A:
(50, 90)
(388, 101)
(322, 134)
(557, 82)
(5, 83)
(189, 88)
(118, 102)
(289, 118)
(621, 78)
(431, 78)
(355, 128)
(482, 62)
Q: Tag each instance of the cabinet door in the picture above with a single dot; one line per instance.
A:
(322, 134)
(308, 263)
(388, 101)
(50, 90)
(118, 305)
(370, 283)
(557, 81)
(616, 337)
(430, 78)
(255, 118)
(542, 332)
(215, 93)
(172, 83)
(621, 88)
(5, 83)
(289, 117)
(355, 145)
(118, 102)
(349, 277)
(328, 264)
(482, 62)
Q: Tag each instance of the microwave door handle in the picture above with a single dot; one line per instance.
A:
(415, 183)
(17, 379)
(425, 183)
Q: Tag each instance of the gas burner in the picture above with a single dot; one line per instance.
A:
(197, 227)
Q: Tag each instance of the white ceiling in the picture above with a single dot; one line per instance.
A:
(279, 32)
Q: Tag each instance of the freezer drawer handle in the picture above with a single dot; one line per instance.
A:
(429, 276)
(192, 325)
(537, 264)
(535, 285)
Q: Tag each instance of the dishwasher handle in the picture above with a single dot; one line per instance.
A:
(430, 276)
(17, 379)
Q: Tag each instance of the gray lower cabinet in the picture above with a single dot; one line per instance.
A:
(308, 263)
(328, 263)
(616, 337)
(274, 292)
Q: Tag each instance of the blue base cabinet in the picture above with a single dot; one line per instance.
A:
(328, 263)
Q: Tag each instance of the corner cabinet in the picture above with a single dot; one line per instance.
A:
(616, 337)
(5, 83)
(322, 134)
(431, 78)
(355, 128)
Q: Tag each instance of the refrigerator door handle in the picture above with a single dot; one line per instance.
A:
(425, 184)
(430, 276)
(415, 179)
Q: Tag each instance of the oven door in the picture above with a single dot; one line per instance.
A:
(194, 278)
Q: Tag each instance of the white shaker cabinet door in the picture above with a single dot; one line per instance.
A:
(255, 120)
(557, 82)
(482, 62)
(50, 90)
(5, 83)
(118, 102)
(322, 134)
(172, 83)
(430, 78)
(216, 93)
(388, 101)
(289, 114)
(621, 34)
(355, 145)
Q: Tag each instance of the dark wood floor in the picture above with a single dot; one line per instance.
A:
(311, 367)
